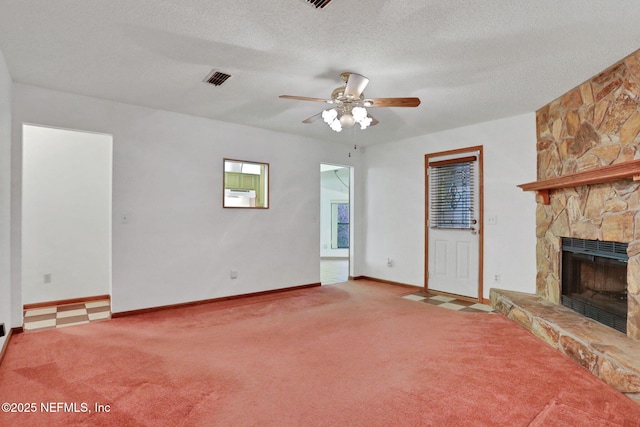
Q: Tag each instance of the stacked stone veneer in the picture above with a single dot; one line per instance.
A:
(593, 125)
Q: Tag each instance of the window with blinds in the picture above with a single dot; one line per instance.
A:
(451, 201)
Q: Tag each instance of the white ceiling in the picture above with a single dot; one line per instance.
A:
(469, 61)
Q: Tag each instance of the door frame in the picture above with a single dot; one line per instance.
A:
(460, 151)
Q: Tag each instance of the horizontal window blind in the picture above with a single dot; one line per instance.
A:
(451, 201)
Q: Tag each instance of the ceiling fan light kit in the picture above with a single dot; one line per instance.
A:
(350, 104)
(338, 119)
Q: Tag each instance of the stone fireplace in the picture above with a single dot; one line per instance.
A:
(595, 125)
(588, 189)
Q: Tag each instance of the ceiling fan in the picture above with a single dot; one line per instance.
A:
(350, 105)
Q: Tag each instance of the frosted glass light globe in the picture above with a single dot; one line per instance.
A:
(359, 113)
(347, 120)
(365, 122)
(329, 115)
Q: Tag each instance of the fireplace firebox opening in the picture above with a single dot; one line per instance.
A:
(594, 280)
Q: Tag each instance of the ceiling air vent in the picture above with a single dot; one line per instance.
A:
(319, 3)
(216, 78)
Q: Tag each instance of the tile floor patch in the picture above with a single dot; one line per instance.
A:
(40, 324)
(442, 298)
(94, 304)
(71, 307)
(482, 307)
(38, 311)
(66, 315)
(450, 303)
(99, 315)
(40, 317)
(71, 313)
(414, 297)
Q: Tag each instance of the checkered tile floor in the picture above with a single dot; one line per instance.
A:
(66, 315)
(449, 302)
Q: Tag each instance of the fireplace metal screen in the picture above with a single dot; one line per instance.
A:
(594, 280)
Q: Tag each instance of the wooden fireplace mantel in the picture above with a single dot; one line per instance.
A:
(615, 172)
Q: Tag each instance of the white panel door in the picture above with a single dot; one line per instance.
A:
(453, 253)
(453, 262)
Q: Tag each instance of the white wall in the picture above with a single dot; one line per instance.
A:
(395, 203)
(332, 190)
(179, 244)
(5, 198)
(66, 214)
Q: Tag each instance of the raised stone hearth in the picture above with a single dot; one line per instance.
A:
(605, 352)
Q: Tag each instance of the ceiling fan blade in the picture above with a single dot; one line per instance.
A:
(355, 85)
(306, 98)
(392, 102)
(374, 121)
(313, 118)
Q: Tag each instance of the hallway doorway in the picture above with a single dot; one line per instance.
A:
(335, 223)
(66, 215)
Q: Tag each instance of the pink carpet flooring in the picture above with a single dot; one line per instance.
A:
(353, 354)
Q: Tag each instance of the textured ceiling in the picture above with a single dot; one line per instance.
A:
(469, 61)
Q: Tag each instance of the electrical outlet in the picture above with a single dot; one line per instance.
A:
(47, 278)
(492, 220)
(389, 262)
(496, 278)
(233, 274)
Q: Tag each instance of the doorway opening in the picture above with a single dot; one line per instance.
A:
(66, 225)
(336, 228)
(454, 231)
